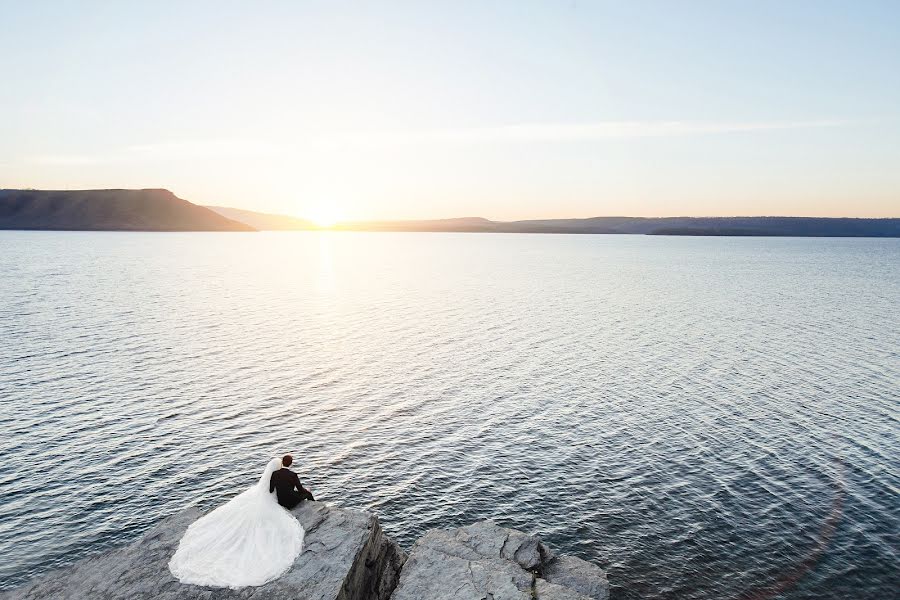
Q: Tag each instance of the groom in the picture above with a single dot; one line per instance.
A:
(284, 481)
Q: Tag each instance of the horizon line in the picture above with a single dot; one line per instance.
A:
(312, 221)
(470, 217)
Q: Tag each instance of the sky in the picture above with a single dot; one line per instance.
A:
(507, 110)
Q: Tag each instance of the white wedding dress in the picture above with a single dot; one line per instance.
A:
(249, 540)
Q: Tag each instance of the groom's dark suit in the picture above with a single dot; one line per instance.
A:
(283, 482)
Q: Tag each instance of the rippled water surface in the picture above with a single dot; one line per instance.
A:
(706, 418)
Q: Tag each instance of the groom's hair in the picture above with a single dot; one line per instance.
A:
(286, 460)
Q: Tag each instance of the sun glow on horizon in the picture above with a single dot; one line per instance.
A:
(325, 216)
(337, 121)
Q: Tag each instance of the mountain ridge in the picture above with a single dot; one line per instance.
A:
(700, 226)
(161, 210)
(149, 209)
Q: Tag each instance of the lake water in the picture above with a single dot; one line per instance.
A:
(706, 418)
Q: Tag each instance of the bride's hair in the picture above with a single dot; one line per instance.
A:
(286, 460)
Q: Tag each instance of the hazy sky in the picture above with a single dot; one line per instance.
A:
(436, 109)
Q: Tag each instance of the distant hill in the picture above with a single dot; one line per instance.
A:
(264, 221)
(161, 210)
(702, 226)
(715, 226)
(108, 210)
(471, 224)
(275, 222)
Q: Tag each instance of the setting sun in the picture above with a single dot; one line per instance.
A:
(324, 216)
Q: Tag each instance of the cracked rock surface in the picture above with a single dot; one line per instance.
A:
(484, 561)
(346, 556)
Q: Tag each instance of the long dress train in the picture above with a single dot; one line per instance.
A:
(248, 541)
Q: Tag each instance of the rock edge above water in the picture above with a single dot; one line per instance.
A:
(346, 556)
(486, 561)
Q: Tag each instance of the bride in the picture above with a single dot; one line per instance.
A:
(249, 540)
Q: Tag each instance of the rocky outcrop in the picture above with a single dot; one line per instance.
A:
(346, 556)
(486, 561)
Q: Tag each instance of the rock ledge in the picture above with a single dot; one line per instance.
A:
(346, 556)
(484, 561)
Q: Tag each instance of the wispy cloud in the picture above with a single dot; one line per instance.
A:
(188, 150)
(65, 160)
(194, 149)
(173, 150)
(566, 132)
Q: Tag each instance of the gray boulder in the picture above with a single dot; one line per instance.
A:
(545, 590)
(346, 556)
(579, 575)
(486, 561)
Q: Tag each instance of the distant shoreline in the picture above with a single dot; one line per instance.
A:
(159, 210)
(674, 226)
(541, 233)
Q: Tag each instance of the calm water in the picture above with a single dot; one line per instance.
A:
(706, 418)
